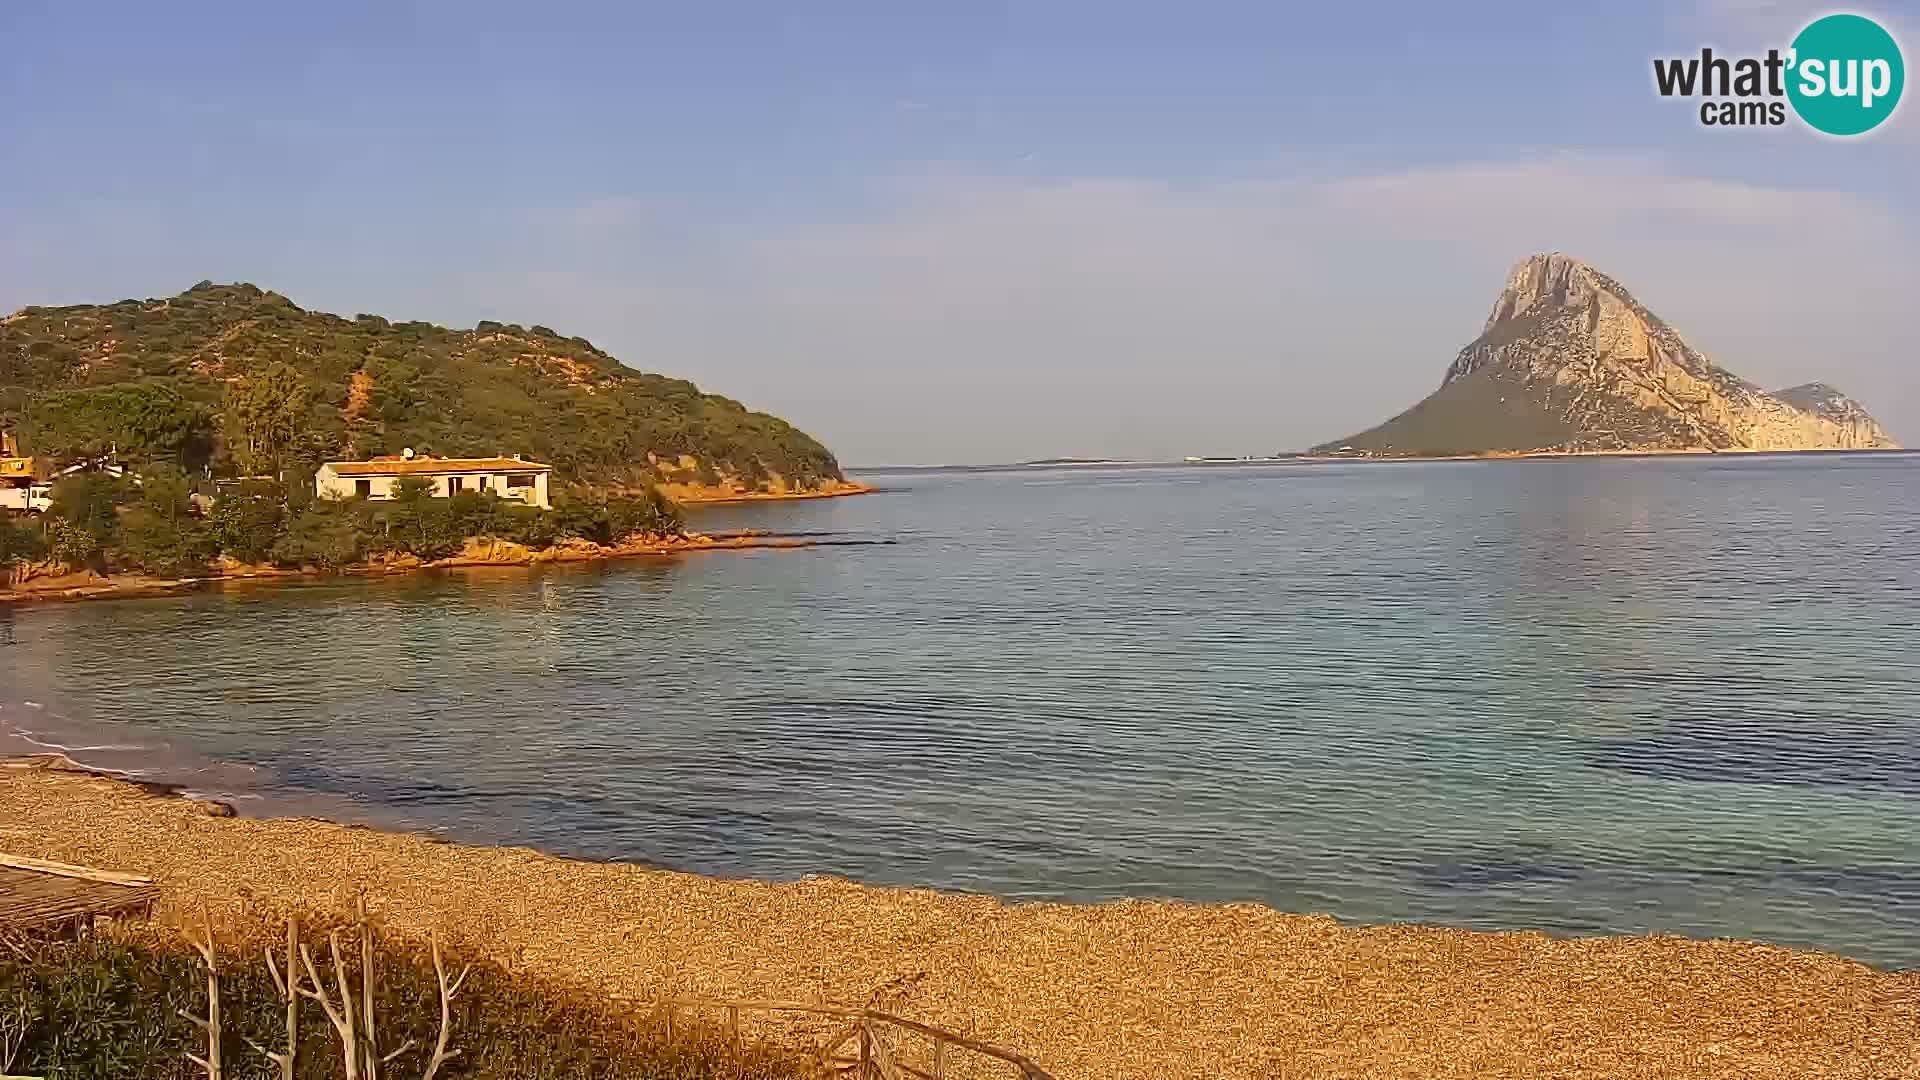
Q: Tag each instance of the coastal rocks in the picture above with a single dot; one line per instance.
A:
(490, 551)
(48, 574)
(54, 581)
(1568, 361)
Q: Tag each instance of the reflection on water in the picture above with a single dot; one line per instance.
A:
(1585, 696)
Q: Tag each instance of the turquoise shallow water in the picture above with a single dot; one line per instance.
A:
(1676, 694)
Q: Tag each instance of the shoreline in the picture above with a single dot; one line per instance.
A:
(479, 552)
(1129, 990)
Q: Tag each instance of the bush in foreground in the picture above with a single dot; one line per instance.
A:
(117, 1005)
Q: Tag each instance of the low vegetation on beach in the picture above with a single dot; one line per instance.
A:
(108, 525)
(132, 1004)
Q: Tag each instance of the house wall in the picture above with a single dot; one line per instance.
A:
(330, 485)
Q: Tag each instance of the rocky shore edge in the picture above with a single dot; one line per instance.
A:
(710, 495)
(47, 582)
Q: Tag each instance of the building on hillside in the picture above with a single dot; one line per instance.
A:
(507, 477)
(20, 486)
(105, 465)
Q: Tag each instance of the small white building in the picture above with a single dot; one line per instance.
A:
(506, 477)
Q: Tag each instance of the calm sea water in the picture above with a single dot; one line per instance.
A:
(1580, 696)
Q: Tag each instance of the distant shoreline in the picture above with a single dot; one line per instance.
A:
(1531, 455)
(1282, 459)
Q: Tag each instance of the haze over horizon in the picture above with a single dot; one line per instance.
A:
(972, 235)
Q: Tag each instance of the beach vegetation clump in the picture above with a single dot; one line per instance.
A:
(133, 1004)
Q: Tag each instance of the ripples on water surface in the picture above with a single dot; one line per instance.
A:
(1582, 696)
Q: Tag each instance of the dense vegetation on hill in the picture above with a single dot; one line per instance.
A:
(247, 382)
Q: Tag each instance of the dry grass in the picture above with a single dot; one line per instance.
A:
(1117, 991)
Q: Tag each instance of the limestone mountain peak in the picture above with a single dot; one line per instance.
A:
(1570, 361)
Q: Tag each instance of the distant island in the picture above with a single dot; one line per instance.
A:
(160, 380)
(1570, 363)
(1077, 461)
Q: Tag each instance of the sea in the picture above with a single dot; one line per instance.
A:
(1581, 696)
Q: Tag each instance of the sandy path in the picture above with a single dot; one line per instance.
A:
(1129, 991)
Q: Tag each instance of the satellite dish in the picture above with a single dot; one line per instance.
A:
(407, 453)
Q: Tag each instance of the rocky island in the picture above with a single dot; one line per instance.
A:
(1570, 363)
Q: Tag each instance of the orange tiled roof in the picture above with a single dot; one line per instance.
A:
(16, 466)
(395, 465)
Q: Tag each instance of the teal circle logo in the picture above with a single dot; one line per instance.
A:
(1845, 74)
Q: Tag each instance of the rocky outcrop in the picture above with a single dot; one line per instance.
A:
(1570, 362)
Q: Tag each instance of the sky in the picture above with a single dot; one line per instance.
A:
(967, 232)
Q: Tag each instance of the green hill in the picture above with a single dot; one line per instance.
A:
(243, 379)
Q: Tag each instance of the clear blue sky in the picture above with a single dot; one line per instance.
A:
(962, 232)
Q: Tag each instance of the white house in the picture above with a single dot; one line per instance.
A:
(507, 477)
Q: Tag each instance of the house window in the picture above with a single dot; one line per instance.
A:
(363, 489)
(519, 481)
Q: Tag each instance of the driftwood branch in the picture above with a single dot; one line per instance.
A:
(288, 987)
(371, 1044)
(340, 1016)
(13, 1035)
(865, 1022)
(209, 1023)
(82, 873)
(441, 1055)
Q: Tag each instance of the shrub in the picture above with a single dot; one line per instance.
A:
(160, 534)
(247, 521)
(613, 519)
(20, 541)
(418, 523)
(325, 536)
(112, 1005)
(87, 509)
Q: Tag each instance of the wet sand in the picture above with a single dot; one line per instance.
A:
(1139, 990)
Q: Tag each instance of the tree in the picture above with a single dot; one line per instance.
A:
(246, 522)
(325, 535)
(420, 523)
(142, 421)
(84, 520)
(160, 533)
(267, 417)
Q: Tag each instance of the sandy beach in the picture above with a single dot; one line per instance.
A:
(1138, 990)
